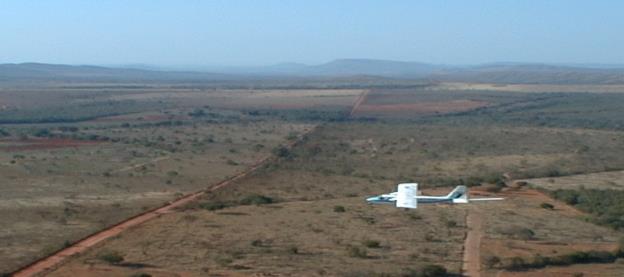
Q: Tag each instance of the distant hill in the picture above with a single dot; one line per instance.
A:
(373, 67)
(347, 71)
(521, 73)
(55, 72)
(532, 74)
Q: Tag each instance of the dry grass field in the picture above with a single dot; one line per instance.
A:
(295, 238)
(521, 228)
(56, 192)
(90, 168)
(118, 151)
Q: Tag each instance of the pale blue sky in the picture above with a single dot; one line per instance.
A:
(259, 32)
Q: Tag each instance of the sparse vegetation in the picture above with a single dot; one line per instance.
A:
(111, 257)
(372, 243)
(517, 232)
(256, 199)
(357, 252)
(579, 257)
(605, 206)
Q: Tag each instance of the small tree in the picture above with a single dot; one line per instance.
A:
(491, 261)
(111, 257)
(433, 270)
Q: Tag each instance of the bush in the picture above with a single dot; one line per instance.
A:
(4, 133)
(491, 261)
(281, 151)
(519, 233)
(357, 252)
(517, 263)
(257, 243)
(213, 206)
(42, 133)
(547, 206)
(111, 257)
(339, 209)
(433, 270)
(293, 250)
(141, 274)
(372, 243)
(256, 199)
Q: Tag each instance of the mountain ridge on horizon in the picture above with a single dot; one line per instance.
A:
(497, 72)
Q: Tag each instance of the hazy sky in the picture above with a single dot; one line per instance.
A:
(257, 32)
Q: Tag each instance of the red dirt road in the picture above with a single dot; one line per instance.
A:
(472, 245)
(49, 263)
(359, 102)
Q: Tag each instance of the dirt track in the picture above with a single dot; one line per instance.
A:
(359, 102)
(472, 244)
(47, 264)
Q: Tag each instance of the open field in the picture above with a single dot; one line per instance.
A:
(54, 193)
(69, 169)
(529, 230)
(294, 238)
(63, 180)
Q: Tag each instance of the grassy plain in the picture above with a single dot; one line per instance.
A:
(311, 218)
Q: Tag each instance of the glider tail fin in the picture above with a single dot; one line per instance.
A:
(459, 195)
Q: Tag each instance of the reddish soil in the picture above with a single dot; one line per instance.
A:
(472, 244)
(422, 107)
(39, 144)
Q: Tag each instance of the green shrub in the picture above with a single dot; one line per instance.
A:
(356, 252)
(281, 151)
(256, 199)
(516, 264)
(547, 206)
(339, 209)
(257, 243)
(141, 274)
(293, 250)
(491, 261)
(4, 133)
(213, 206)
(372, 243)
(42, 133)
(111, 257)
(433, 270)
(579, 257)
